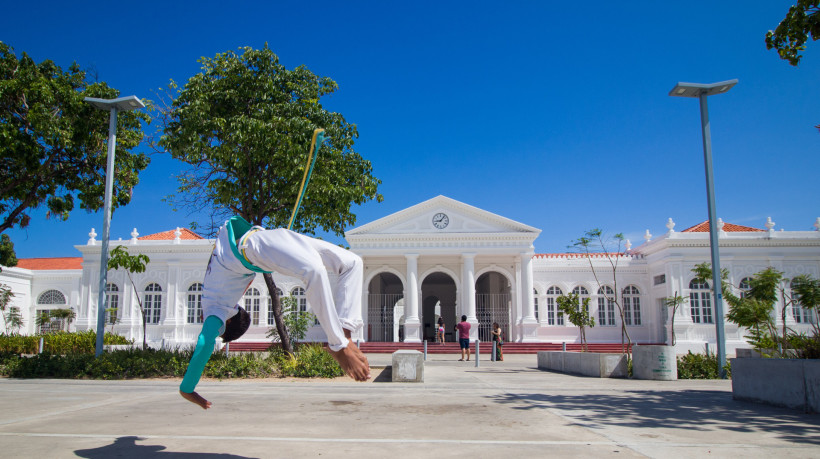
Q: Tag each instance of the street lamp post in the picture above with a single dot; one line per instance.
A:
(113, 106)
(702, 91)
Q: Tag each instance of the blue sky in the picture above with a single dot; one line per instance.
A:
(554, 114)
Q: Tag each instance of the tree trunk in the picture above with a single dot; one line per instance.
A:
(284, 337)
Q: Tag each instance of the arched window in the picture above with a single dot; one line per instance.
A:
(301, 300)
(535, 302)
(700, 302)
(252, 301)
(51, 297)
(195, 304)
(583, 294)
(112, 303)
(745, 285)
(801, 315)
(271, 319)
(152, 303)
(553, 319)
(632, 305)
(606, 306)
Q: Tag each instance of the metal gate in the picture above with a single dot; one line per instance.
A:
(382, 323)
(489, 308)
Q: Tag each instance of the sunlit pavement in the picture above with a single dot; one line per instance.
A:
(508, 408)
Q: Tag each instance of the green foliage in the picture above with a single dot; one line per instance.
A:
(52, 150)
(7, 255)
(57, 343)
(244, 125)
(806, 293)
(250, 365)
(14, 320)
(11, 316)
(801, 23)
(310, 361)
(296, 322)
(576, 313)
(807, 347)
(119, 258)
(676, 301)
(700, 366)
(755, 310)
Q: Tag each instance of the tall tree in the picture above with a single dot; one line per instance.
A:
(591, 241)
(52, 143)
(801, 23)
(244, 125)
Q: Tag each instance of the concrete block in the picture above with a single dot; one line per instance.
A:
(584, 363)
(778, 382)
(654, 362)
(408, 366)
(811, 373)
(613, 366)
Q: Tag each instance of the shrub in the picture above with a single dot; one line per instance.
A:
(310, 361)
(700, 366)
(58, 342)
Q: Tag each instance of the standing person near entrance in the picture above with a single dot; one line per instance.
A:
(499, 341)
(463, 329)
(241, 251)
(441, 330)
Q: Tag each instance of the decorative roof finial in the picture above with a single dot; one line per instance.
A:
(647, 236)
(770, 225)
(817, 224)
(720, 226)
(134, 235)
(628, 245)
(670, 225)
(93, 236)
(177, 235)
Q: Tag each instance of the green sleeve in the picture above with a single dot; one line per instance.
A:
(202, 352)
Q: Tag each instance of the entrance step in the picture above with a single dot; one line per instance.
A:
(450, 348)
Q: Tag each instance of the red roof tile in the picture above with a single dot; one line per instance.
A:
(727, 227)
(40, 264)
(186, 235)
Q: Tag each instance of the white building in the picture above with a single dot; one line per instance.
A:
(440, 258)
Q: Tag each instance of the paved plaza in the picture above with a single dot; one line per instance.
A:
(500, 410)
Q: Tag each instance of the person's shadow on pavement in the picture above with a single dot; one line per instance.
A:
(127, 447)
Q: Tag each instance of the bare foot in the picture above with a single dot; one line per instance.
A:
(196, 399)
(353, 362)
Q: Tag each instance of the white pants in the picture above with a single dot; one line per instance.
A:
(338, 303)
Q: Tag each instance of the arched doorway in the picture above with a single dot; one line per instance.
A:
(438, 293)
(492, 304)
(385, 308)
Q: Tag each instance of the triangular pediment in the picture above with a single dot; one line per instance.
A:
(441, 216)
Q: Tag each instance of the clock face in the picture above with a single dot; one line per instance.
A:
(441, 220)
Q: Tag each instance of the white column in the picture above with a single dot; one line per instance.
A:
(529, 326)
(412, 324)
(468, 298)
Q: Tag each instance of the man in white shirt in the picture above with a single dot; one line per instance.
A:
(241, 251)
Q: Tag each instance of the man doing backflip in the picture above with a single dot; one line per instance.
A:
(241, 251)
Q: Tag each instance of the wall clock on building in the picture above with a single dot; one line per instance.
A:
(441, 220)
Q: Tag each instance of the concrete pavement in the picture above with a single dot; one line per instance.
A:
(498, 409)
